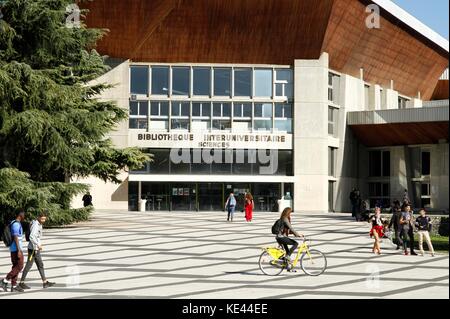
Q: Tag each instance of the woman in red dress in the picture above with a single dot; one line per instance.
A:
(377, 230)
(249, 206)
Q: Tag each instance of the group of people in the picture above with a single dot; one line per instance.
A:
(403, 222)
(35, 248)
(231, 203)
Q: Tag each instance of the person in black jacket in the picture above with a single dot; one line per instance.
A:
(395, 221)
(423, 225)
(87, 200)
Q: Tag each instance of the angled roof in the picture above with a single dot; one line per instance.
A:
(276, 32)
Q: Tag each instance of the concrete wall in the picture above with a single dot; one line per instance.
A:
(311, 134)
(110, 195)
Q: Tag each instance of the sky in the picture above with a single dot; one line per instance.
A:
(433, 13)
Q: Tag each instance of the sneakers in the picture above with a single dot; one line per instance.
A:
(48, 284)
(24, 286)
(17, 289)
(4, 286)
(406, 253)
(413, 253)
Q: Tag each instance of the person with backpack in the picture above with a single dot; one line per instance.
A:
(230, 206)
(282, 228)
(249, 206)
(13, 238)
(34, 252)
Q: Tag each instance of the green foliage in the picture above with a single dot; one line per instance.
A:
(52, 125)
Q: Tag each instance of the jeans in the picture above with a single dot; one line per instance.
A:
(404, 237)
(230, 212)
(426, 234)
(17, 266)
(285, 242)
(34, 255)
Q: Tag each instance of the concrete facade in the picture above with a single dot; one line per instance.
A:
(310, 144)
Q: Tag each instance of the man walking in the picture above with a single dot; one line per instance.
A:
(395, 221)
(230, 206)
(355, 199)
(424, 225)
(87, 199)
(34, 252)
(16, 253)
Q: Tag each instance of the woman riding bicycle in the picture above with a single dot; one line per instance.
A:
(284, 229)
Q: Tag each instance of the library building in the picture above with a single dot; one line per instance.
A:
(294, 100)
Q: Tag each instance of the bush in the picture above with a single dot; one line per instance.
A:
(443, 227)
(70, 216)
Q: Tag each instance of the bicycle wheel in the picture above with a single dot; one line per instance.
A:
(313, 264)
(270, 266)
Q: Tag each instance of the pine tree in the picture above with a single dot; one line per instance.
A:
(52, 126)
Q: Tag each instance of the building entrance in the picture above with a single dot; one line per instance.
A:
(206, 196)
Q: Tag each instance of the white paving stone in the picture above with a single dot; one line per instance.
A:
(200, 255)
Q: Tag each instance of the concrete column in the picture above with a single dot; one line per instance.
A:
(413, 103)
(311, 134)
(375, 97)
(439, 176)
(400, 175)
(389, 99)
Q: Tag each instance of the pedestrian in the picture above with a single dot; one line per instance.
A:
(34, 252)
(396, 211)
(424, 226)
(377, 230)
(16, 252)
(407, 230)
(249, 206)
(406, 197)
(87, 199)
(230, 206)
(355, 200)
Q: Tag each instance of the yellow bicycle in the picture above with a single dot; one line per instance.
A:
(312, 261)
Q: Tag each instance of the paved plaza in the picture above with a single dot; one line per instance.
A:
(200, 255)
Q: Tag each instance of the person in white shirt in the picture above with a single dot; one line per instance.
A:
(34, 252)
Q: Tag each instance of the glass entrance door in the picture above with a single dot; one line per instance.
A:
(210, 197)
(182, 197)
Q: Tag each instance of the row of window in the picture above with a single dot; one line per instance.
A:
(197, 116)
(211, 81)
(233, 162)
(380, 194)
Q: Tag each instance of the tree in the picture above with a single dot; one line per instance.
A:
(52, 124)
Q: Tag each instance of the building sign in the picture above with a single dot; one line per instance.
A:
(211, 140)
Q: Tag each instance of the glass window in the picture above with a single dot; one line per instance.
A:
(143, 108)
(222, 81)
(139, 79)
(159, 108)
(284, 82)
(262, 125)
(201, 109)
(243, 82)
(379, 163)
(138, 123)
(331, 161)
(242, 110)
(180, 80)
(202, 81)
(180, 109)
(283, 117)
(160, 80)
(134, 108)
(263, 82)
(263, 110)
(332, 120)
(222, 109)
(426, 163)
(180, 124)
(221, 124)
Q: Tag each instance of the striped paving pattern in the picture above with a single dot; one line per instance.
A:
(200, 255)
